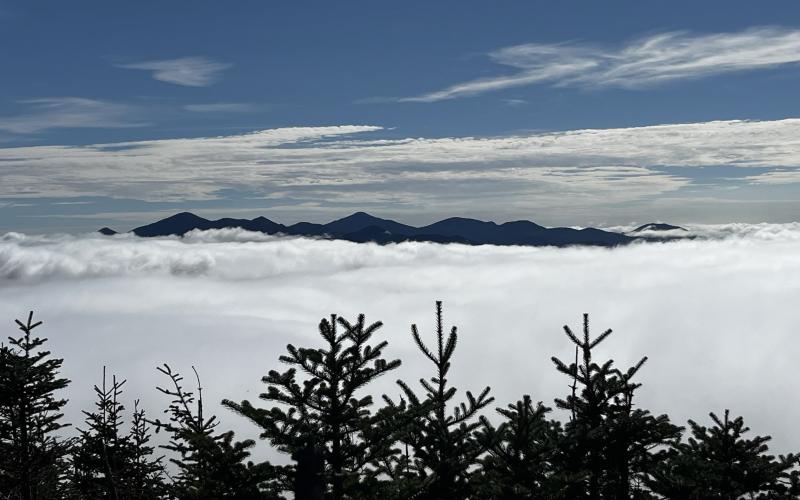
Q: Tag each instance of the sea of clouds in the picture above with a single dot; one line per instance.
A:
(717, 315)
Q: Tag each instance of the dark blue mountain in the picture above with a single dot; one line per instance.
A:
(474, 230)
(567, 236)
(176, 225)
(306, 229)
(658, 226)
(377, 234)
(362, 227)
(182, 223)
(362, 220)
(106, 231)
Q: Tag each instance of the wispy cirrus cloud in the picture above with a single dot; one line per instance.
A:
(519, 174)
(186, 71)
(68, 112)
(646, 61)
(220, 107)
(775, 177)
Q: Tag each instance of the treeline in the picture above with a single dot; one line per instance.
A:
(429, 444)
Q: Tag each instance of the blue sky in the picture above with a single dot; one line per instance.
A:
(412, 110)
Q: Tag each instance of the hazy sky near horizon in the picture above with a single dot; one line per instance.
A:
(585, 114)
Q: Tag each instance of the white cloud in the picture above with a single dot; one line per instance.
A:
(186, 71)
(734, 231)
(646, 61)
(220, 107)
(775, 177)
(515, 103)
(512, 176)
(68, 112)
(717, 317)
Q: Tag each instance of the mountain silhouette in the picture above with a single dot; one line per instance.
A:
(106, 231)
(182, 223)
(658, 226)
(362, 227)
(362, 220)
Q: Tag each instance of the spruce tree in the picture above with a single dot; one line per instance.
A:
(324, 414)
(522, 453)
(99, 460)
(109, 462)
(609, 446)
(210, 463)
(719, 462)
(145, 472)
(32, 456)
(443, 442)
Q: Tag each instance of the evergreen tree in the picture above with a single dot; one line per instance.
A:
(609, 446)
(112, 464)
(328, 416)
(145, 473)
(32, 456)
(444, 444)
(718, 462)
(522, 452)
(392, 476)
(210, 463)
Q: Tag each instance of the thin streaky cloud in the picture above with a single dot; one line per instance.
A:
(646, 61)
(68, 112)
(336, 166)
(186, 71)
(220, 107)
(775, 177)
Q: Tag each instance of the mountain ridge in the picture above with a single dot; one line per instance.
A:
(362, 227)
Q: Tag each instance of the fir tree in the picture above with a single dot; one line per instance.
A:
(325, 413)
(110, 463)
(32, 456)
(522, 452)
(609, 446)
(145, 473)
(719, 462)
(210, 463)
(443, 442)
(99, 460)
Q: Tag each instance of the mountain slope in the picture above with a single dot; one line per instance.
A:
(362, 227)
(658, 226)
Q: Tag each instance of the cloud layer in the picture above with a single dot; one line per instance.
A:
(647, 61)
(328, 166)
(186, 71)
(717, 317)
(220, 107)
(68, 112)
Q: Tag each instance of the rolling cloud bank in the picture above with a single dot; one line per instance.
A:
(717, 314)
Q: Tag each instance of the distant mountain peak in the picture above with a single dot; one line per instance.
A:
(106, 231)
(658, 226)
(358, 216)
(183, 216)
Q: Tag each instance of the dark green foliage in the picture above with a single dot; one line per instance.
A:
(522, 453)
(718, 462)
(424, 448)
(443, 442)
(326, 410)
(609, 445)
(210, 464)
(145, 478)
(110, 463)
(32, 457)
